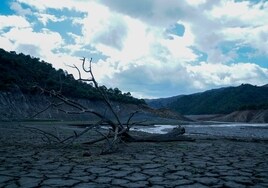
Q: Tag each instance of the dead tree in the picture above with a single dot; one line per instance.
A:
(119, 131)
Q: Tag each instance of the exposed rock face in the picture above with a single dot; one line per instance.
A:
(249, 116)
(17, 105)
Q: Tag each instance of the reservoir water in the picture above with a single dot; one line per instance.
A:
(237, 130)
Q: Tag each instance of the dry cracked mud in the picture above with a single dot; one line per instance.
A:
(27, 162)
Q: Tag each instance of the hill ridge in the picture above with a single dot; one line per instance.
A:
(220, 101)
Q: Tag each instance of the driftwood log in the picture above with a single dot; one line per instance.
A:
(176, 134)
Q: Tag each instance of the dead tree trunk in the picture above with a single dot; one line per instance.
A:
(119, 131)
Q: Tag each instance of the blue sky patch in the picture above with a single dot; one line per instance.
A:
(176, 29)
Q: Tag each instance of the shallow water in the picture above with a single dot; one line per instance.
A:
(258, 131)
(158, 129)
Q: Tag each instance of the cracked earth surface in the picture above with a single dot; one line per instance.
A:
(27, 162)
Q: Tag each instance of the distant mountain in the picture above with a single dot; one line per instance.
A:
(161, 102)
(221, 101)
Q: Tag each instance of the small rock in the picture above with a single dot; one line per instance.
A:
(151, 166)
(138, 184)
(137, 177)
(60, 182)
(29, 182)
(87, 154)
(97, 170)
(119, 182)
(102, 180)
(209, 181)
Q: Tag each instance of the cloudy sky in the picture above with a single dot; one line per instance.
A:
(152, 48)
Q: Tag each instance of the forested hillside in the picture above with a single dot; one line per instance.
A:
(222, 101)
(162, 102)
(25, 72)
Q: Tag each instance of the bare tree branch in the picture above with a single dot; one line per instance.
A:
(77, 135)
(48, 135)
(118, 133)
(46, 108)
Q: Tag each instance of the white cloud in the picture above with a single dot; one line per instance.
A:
(180, 47)
(196, 2)
(209, 75)
(8, 23)
(62, 60)
(255, 37)
(19, 9)
(168, 79)
(40, 44)
(45, 39)
(6, 44)
(45, 18)
(245, 12)
(243, 22)
(13, 21)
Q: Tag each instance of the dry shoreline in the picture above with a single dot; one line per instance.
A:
(27, 162)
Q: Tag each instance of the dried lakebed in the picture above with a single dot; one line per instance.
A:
(209, 162)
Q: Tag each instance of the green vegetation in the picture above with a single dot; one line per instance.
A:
(254, 107)
(25, 72)
(223, 100)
